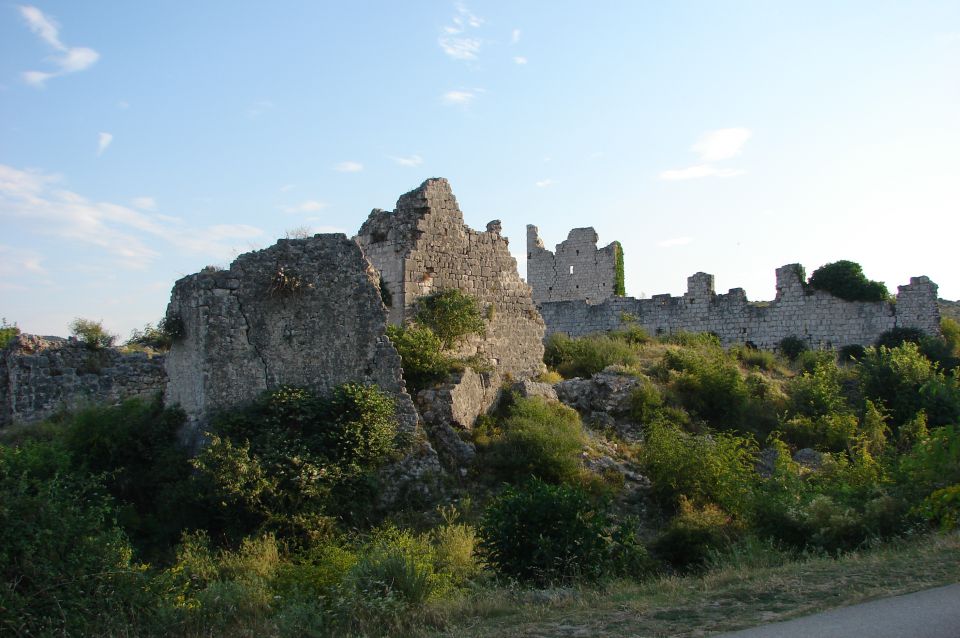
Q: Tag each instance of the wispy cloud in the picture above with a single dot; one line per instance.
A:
(543, 183)
(103, 141)
(519, 59)
(15, 262)
(68, 60)
(349, 167)
(460, 97)
(309, 206)
(700, 170)
(258, 108)
(712, 147)
(515, 36)
(286, 188)
(144, 203)
(411, 161)
(128, 235)
(674, 242)
(454, 40)
(721, 144)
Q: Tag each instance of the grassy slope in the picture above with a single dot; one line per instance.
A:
(722, 600)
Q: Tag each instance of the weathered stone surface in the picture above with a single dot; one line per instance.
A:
(40, 375)
(423, 246)
(304, 312)
(817, 317)
(415, 478)
(576, 270)
(603, 401)
(528, 388)
(808, 457)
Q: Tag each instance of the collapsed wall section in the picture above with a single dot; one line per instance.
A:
(817, 317)
(423, 246)
(42, 375)
(577, 269)
(304, 312)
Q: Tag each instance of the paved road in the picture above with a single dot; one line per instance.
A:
(934, 613)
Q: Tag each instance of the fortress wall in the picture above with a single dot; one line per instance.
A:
(577, 269)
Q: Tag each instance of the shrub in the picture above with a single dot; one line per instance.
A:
(538, 438)
(619, 289)
(693, 339)
(91, 333)
(933, 462)
(451, 315)
(753, 358)
(421, 355)
(792, 346)
(546, 534)
(694, 535)
(707, 384)
(818, 393)
(899, 336)
(585, 356)
(942, 508)
(646, 401)
(845, 279)
(711, 468)
(396, 565)
(7, 332)
(851, 352)
(832, 431)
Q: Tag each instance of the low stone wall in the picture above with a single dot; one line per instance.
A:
(817, 317)
(41, 375)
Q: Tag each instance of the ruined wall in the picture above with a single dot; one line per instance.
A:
(41, 375)
(424, 246)
(577, 269)
(304, 312)
(819, 318)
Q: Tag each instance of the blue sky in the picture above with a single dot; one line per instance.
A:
(140, 142)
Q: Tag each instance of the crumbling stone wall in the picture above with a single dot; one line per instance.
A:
(424, 246)
(304, 312)
(817, 317)
(41, 375)
(576, 270)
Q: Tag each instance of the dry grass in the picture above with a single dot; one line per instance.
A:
(725, 599)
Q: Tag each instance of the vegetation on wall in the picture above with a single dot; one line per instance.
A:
(7, 332)
(619, 287)
(845, 279)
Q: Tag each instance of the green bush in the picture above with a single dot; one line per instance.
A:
(546, 534)
(845, 279)
(7, 332)
(91, 333)
(851, 352)
(692, 339)
(585, 356)
(832, 431)
(646, 401)
(396, 565)
(753, 358)
(792, 346)
(694, 535)
(421, 355)
(451, 315)
(933, 463)
(538, 438)
(899, 336)
(942, 508)
(619, 289)
(708, 384)
(159, 337)
(710, 468)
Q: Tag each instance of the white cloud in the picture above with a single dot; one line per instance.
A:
(17, 262)
(411, 161)
(543, 183)
(144, 203)
(309, 206)
(349, 167)
(676, 241)
(123, 104)
(454, 42)
(69, 60)
(128, 235)
(103, 141)
(515, 36)
(698, 171)
(721, 144)
(286, 188)
(519, 59)
(460, 97)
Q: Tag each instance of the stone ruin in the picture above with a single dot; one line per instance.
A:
(816, 316)
(576, 270)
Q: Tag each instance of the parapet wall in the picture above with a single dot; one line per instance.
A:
(41, 375)
(424, 246)
(304, 312)
(817, 317)
(577, 269)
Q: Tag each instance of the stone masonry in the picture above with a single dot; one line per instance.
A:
(817, 317)
(424, 246)
(304, 312)
(577, 269)
(41, 375)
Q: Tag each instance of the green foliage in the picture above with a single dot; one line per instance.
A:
(7, 332)
(396, 565)
(942, 508)
(159, 337)
(544, 534)
(646, 401)
(693, 339)
(708, 384)
(845, 279)
(694, 535)
(832, 431)
(950, 329)
(91, 333)
(619, 288)
(905, 382)
(753, 358)
(710, 468)
(899, 336)
(933, 462)
(851, 352)
(451, 315)
(792, 346)
(421, 354)
(538, 438)
(585, 356)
